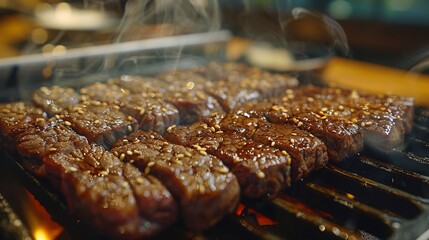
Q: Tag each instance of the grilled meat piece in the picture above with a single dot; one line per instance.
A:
(308, 153)
(46, 137)
(141, 85)
(186, 92)
(147, 107)
(15, 118)
(204, 187)
(99, 122)
(385, 120)
(235, 84)
(53, 100)
(341, 137)
(104, 92)
(160, 206)
(261, 170)
(151, 113)
(112, 196)
(233, 94)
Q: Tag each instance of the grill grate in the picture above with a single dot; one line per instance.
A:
(369, 196)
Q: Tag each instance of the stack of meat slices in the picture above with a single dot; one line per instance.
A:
(133, 155)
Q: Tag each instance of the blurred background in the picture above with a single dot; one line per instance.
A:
(384, 32)
(388, 32)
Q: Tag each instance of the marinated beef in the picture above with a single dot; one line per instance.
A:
(148, 108)
(341, 137)
(308, 153)
(53, 100)
(104, 92)
(233, 94)
(234, 84)
(185, 91)
(261, 170)
(99, 122)
(46, 137)
(112, 196)
(15, 118)
(141, 85)
(385, 120)
(155, 202)
(204, 187)
(151, 113)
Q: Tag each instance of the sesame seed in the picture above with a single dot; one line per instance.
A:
(363, 124)
(151, 164)
(129, 152)
(236, 160)
(67, 123)
(366, 113)
(295, 120)
(273, 144)
(341, 107)
(130, 118)
(310, 99)
(122, 157)
(324, 109)
(137, 152)
(166, 143)
(177, 161)
(188, 154)
(104, 173)
(142, 112)
(73, 169)
(368, 123)
(299, 124)
(213, 114)
(223, 170)
(275, 108)
(292, 140)
(284, 152)
(97, 121)
(130, 129)
(180, 155)
(219, 132)
(354, 120)
(80, 111)
(260, 174)
(204, 153)
(311, 135)
(288, 161)
(217, 126)
(136, 140)
(212, 129)
(52, 149)
(116, 153)
(293, 134)
(171, 127)
(40, 120)
(139, 180)
(201, 188)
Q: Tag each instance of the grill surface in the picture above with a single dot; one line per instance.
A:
(369, 196)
